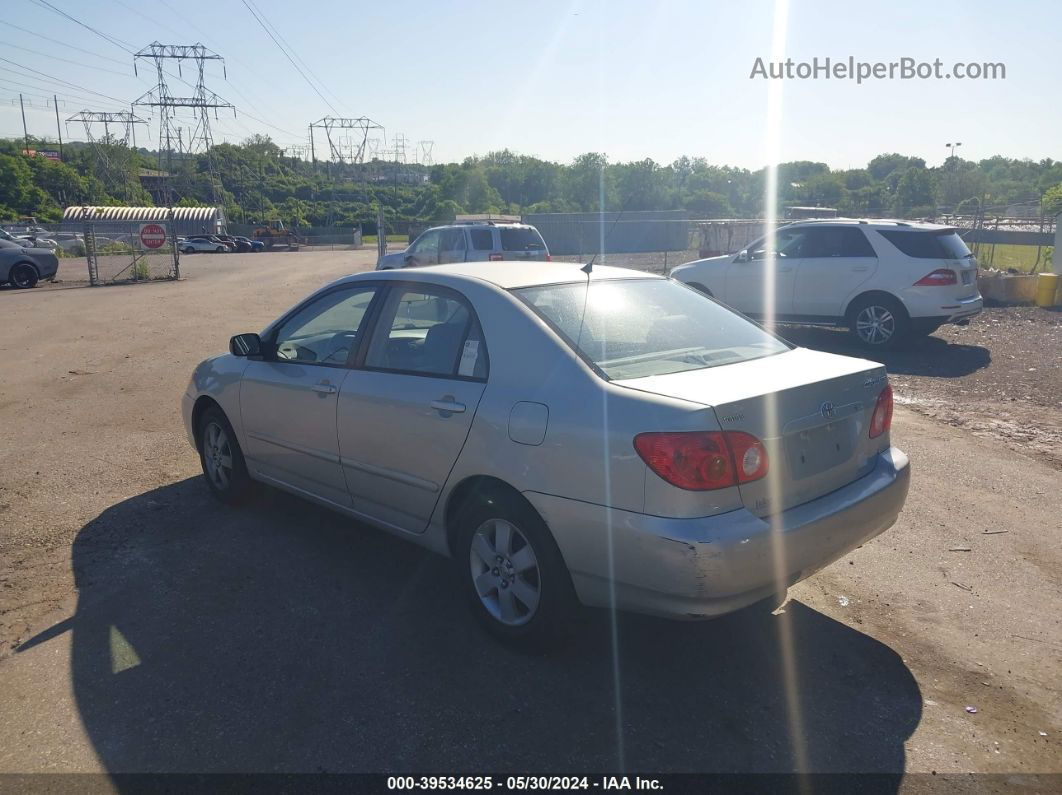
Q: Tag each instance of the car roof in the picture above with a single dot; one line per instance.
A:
(509, 275)
(488, 224)
(872, 223)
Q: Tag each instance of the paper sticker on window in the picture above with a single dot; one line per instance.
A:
(469, 355)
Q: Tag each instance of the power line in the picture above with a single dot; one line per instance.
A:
(55, 80)
(64, 60)
(294, 52)
(64, 44)
(281, 48)
(116, 42)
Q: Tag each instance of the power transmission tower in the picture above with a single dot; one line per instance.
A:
(351, 135)
(426, 148)
(202, 101)
(113, 176)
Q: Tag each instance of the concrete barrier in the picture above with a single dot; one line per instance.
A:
(1006, 288)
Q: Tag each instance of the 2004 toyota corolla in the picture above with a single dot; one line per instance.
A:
(611, 438)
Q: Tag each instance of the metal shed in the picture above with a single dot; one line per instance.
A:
(186, 220)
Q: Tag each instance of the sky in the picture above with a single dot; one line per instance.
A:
(556, 78)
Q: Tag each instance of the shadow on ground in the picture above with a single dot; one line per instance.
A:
(280, 637)
(928, 356)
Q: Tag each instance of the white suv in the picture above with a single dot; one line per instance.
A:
(886, 281)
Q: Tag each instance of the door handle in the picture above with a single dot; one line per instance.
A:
(784, 270)
(861, 268)
(325, 387)
(448, 404)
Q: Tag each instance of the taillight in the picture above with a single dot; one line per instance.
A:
(496, 257)
(549, 258)
(703, 460)
(881, 419)
(941, 277)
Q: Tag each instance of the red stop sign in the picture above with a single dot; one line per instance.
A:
(152, 235)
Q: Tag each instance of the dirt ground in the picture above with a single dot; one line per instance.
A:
(144, 627)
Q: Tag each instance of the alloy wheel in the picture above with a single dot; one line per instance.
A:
(23, 276)
(505, 572)
(875, 325)
(217, 456)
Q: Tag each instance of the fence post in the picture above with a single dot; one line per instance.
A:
(172, 232)
(381, 233)
(89, 233)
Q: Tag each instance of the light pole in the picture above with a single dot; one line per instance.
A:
(951, 148)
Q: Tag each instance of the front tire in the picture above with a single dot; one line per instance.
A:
(221, 458)
(514, 576)
(23, 276)
(879, 322)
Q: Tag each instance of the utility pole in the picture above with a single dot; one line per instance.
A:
(113, 175)
(58, 129)
(25, 134)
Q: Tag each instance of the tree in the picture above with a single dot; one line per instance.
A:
(968, 206)
(1053, 201)
(914, 191)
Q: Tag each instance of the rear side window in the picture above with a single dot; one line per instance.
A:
(521, 238)
(482, 239)
(945, 244)
(837, 241)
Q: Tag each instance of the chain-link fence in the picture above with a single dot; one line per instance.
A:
(120, 252)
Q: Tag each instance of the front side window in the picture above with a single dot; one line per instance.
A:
(428, 331)
(428, 243)
(634, 328)
(788, 243)
(325, 330)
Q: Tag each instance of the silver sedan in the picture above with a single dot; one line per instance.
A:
(615, 439)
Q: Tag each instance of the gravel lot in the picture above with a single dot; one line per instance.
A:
(145, 627)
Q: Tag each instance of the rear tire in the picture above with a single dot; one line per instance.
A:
(23, 276)
(513, 573)
(879, 322)
(221, 458)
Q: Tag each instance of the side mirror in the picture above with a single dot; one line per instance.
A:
(743, 255)
(245, 345)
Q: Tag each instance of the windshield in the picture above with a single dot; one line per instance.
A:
(635, 328)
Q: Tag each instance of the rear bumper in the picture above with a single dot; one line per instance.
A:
(698, 568)
(967, 308)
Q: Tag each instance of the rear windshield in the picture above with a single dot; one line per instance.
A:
(945, 244)
(635, 328)
(521, 238)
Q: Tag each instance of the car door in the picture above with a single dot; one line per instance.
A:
(288, 398)
(452, 246)
(749, 278)
(425, 250)
(404, 413)
(836, 261)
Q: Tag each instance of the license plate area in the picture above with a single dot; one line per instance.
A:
(967, 277)
(819, 449)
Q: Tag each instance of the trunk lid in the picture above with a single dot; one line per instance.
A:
(810, 409)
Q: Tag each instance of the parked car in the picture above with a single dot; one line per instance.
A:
(616, 439)
(470, 241)
(31, 237)
(885, 281)
(22, 266)
(246, 244)
(192, 245)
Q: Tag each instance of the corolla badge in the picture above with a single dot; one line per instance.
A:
(826, 409)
